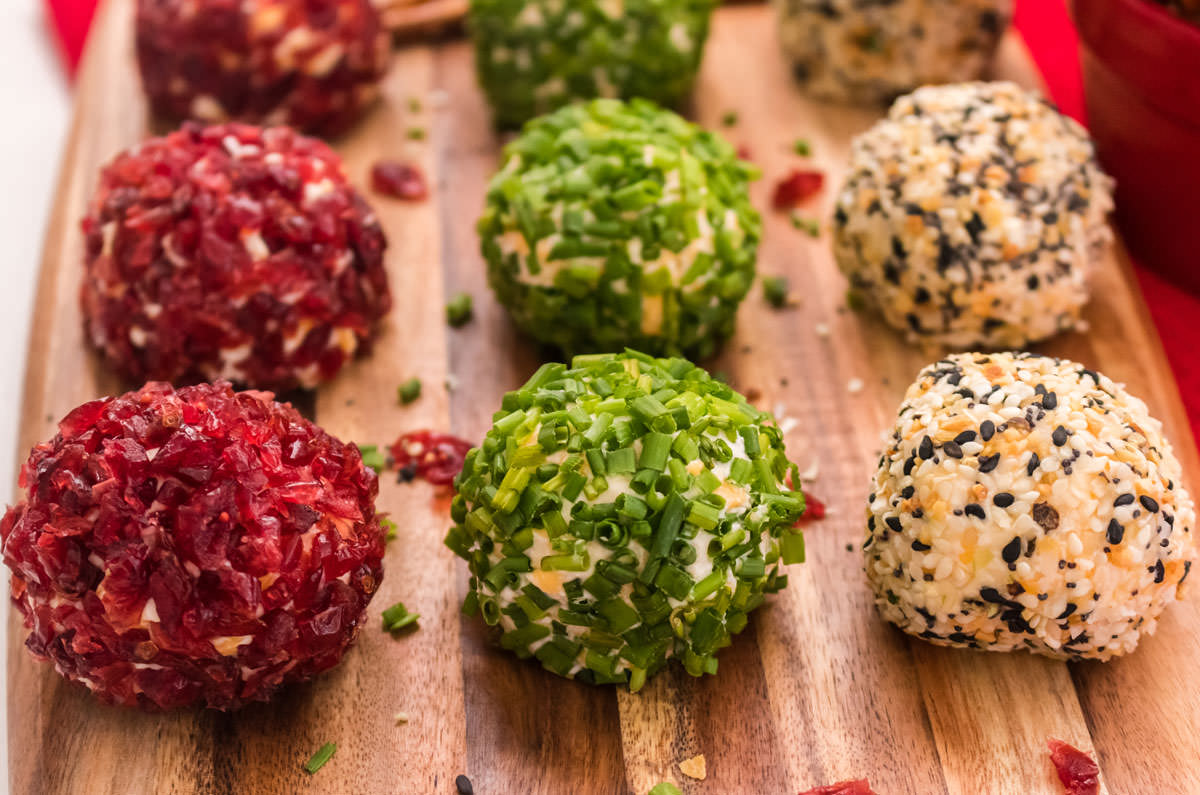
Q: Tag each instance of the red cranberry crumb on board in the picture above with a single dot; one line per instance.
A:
(398, 180)
(857, 787)
(199, 547)
(436, 457)
(813, 508)
(231, 252)
(1079, 774)
(311, 64)
(797, 186)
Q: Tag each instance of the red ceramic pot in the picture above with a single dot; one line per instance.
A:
(1141, 73)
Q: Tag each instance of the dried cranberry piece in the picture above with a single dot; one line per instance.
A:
(1077, 771)
(436, 457)
(262, 263)
(218, 535)
(399, 180)
(856, 787)
(813, 508)
(797, 186)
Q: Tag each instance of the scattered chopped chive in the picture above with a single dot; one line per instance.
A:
(459, 310)
(414, 105)
(389, 528)
(416, 134)
(729, 118)
(318, 760)
(802, 147)
(397, 617)
(409, 391)
(775, 290)
(809, 225)
(373, 457)
(664, 788)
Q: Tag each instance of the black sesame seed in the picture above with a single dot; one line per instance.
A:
(1116, 531)
(463, 785)
(1003, 499)
(1059, 437)
(920, 547)
(1159, 572)
(1148, 503)
(987, 429)
(894, 523)
(965, 437)
(909, 464)
(975, 509)
(952, 449)
(1032, 282)
(1050, 401)
(988, 462)
(1124, 499)
(926, 449)
(1011, 551)
(1034, 463)
(921, 296)
(907, 492)
(1071, 607)
(990, 594)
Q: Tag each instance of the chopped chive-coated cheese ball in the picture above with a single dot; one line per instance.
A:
(870, 51)
(233, 252)
(614, 225)
(624, 511)
(1025, 502)
(310, 64)
(972, 215)
(534, 56)
(199, 547)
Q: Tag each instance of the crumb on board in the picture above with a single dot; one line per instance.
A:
(854, 386)
(696, 767)
(822, 329)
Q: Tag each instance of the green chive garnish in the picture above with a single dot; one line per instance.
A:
(802, 147)
(416, 134)
(639, 502)
(459, 310)
(664, 788)
(809, 225)
(729, 118)
(397, 617)
(409, 391)
(373, 457)
(775, 290)
(414, 105)
(389, 528)
(318, 760)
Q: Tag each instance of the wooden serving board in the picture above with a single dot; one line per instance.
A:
(817, 689)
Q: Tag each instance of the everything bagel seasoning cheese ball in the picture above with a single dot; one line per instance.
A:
(534, 56)
(624, 511)
(231, 252)
(971, 216)
(1025, 502)
(614, 225)
(870, 51)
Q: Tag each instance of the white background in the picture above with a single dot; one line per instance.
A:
(34, 86)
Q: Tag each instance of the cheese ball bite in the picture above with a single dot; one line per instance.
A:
(195, 548)
(870, 51)
(614, 225)
(310, 64)
(622, 512)
(231, 252)
(971, 217)
(534, 56)
(1025, 502)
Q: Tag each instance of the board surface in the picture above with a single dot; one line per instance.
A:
(816, 690)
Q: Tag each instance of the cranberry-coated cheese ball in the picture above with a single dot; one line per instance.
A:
(193, 548)
(231, 252)
(1025, 502)
(972, 217)
(310, 64)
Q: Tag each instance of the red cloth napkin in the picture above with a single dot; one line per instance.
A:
(1048, 32)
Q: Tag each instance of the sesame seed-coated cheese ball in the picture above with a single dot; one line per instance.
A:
(622, 512)
(310, 64)
(534, 56)
(614, 225)
(1025, 502)
(231, 252)
(870, 51)
(971, 216)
